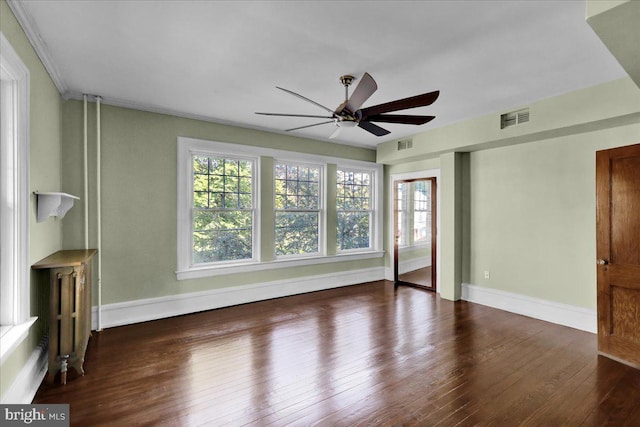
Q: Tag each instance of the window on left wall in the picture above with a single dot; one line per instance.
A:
(15, 319)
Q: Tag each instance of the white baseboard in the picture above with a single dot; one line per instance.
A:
(24, 387)
(562, 314)
(144, 310)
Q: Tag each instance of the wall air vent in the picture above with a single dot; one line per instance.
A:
(514, 118)
(405, 144)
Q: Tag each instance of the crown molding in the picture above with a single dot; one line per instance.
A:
(31, 30)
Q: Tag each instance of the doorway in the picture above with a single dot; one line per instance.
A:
(415, 232)
(618, 253)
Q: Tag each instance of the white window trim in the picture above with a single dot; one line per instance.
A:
(14, 225)
(255, 217)
(186, 271)
(185, 208)
(322, 212)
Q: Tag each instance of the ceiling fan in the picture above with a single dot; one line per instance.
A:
(349, 113)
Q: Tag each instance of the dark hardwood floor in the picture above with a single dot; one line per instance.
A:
(366, 355)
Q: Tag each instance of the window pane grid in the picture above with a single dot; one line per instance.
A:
(222, 183)
(297, 208)
(297, 187)
(222, 225)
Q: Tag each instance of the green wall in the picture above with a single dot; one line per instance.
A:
(45, 175)
(139, 166)
(611, 104)
(522, 203)
(533, 216)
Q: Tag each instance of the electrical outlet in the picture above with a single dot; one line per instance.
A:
(486, 274)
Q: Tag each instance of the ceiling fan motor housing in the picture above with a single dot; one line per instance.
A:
(346, 80)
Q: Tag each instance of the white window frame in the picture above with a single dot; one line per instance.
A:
(254, 202)
(427, 241)
(184, 269)
(322, 216)
(15, 284)
(373, 209)
(186, 152)
(409, 244)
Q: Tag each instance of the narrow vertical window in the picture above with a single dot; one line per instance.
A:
(421, 212)
(402, 206)
(15, 301)
(354, 206)
(223, 209)
(297, 208)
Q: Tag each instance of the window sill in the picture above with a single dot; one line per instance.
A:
(13, 336)
(208, 271)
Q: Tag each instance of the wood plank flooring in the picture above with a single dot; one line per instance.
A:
(365, 355)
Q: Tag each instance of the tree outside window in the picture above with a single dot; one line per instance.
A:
(223, 209)
(354, 191)
(297, 208)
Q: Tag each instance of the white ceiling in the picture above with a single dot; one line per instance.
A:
(221, 61)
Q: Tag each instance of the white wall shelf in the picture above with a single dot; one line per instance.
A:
(54, 204)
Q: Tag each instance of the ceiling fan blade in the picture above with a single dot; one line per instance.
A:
(296, 115)
(361, 93)
(400, 118)
(308, 126)
(335, 132)
(374, 129)
(308, 100)
(401, 104)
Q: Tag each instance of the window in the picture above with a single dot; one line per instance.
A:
(402, 209)
(242, 208)
(354, 207)
(14, 194)
(414, 213)
(223, 209)
(421, 212)
(297, 209)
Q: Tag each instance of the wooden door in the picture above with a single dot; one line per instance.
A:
(618, 253)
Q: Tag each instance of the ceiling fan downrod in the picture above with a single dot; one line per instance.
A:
(346, 81)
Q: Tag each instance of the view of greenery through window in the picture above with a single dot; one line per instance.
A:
(354, 209)
(223, 209)
(297, 205)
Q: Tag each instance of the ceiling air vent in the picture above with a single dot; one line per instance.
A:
(514, 118)
(405, 144)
